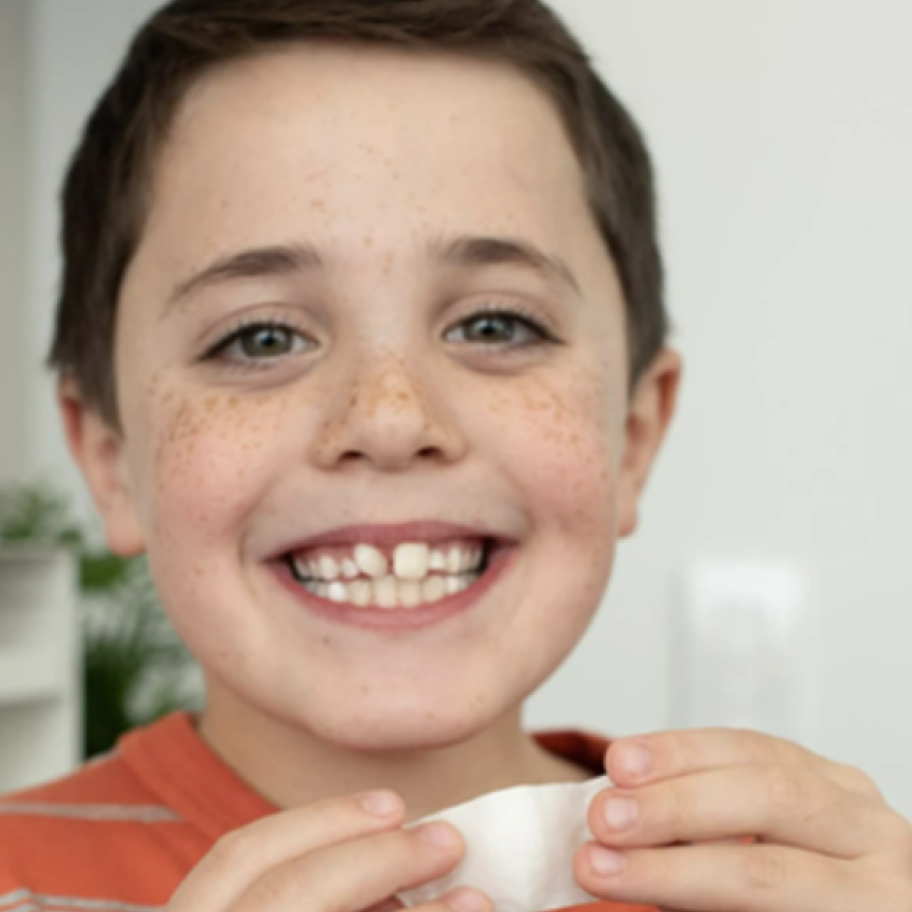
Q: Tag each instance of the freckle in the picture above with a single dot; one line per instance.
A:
(365, 688)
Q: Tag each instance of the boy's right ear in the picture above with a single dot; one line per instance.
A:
(99, 451)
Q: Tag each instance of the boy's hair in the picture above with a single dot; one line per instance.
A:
(107, 189)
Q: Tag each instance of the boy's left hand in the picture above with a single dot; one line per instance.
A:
(822, 839)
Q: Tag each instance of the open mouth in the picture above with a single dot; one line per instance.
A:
(407, 576)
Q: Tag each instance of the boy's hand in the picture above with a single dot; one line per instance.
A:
(822, 837)
(333, 856)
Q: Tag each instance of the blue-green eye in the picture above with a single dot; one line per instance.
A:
(266, 341)
(502, 327)
(258, 342)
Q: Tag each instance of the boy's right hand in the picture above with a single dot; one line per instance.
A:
(340, 855)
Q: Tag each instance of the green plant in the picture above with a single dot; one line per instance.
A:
(135, 667)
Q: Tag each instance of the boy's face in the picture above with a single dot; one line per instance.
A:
(385, 400)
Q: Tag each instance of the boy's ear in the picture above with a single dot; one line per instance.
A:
(650, 412)
(98, 450)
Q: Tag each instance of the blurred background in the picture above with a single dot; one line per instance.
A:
(768, 585)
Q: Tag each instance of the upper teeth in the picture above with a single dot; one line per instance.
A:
(411, 561)
(370, 561)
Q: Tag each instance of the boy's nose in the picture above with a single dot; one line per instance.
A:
(389, 418)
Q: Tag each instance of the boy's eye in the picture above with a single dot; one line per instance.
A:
(266, 341)
(501, 327)
(259, 342)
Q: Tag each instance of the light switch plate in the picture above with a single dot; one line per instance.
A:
(743, 648)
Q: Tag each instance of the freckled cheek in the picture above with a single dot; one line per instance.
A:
(572, 480)
(560, 450)
(210, 464)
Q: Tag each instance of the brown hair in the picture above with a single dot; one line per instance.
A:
(105, 193)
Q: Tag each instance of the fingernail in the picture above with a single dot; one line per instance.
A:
(605, 863)
(621, 813)
(438, 835)
(466, 900)
(380, 804)
(636, 760)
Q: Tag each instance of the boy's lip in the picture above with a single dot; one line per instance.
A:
(399, 620)
(388, 535)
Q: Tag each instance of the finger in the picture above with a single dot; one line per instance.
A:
(665, 755)
(241, 857)
(787, 805)
(390, 905)
(350, 876)
(465, 899)
(736, 840)
(757, 878)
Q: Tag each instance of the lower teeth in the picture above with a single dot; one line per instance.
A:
(390, 592)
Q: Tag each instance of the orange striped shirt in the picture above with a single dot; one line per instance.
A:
(120, 833)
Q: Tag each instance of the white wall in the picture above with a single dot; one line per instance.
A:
(783, 135)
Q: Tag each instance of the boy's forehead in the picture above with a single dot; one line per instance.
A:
(334, 105)
(314, 74)
(396, 146)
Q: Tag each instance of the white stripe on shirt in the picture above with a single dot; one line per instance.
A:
(36, 902)
(142, 813)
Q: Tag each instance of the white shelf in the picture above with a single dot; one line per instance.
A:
(40, 667)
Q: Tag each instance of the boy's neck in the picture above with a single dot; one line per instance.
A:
(291, 767)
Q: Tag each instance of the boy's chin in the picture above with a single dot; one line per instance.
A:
(398, 730)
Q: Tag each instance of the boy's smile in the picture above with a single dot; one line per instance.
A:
(397, 577)
(370, 293)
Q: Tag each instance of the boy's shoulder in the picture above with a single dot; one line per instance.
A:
(71, 839)
(97, 838)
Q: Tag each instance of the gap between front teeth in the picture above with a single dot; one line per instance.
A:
(412, 561)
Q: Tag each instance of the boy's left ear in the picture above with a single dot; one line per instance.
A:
(650, 412)
(98, 449)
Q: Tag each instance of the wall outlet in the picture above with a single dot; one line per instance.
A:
(743, 650)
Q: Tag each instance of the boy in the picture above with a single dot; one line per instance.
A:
(378, 529)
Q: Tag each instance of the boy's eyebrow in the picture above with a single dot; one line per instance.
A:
(465, 251)
(493, 251)
(279, 259)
